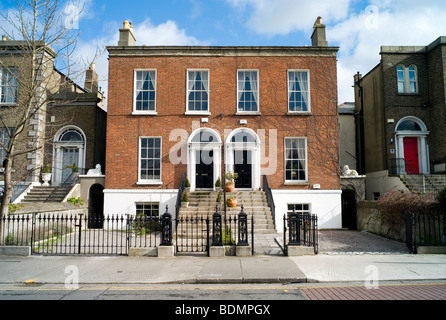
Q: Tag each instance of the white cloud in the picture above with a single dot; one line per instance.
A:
(167, 33)
(146, 33)
(361, 36)
(280, 17)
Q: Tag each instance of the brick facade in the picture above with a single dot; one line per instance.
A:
(384, 108)
(124, 129)
(271, 124)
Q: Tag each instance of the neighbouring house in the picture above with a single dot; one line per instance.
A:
(400, 109)
(267, 113)
(67, 130)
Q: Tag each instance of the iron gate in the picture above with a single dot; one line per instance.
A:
(60, 234)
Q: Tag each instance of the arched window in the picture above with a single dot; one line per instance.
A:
(205, 136)
(409, 125)
(243, 136)
(71, 135)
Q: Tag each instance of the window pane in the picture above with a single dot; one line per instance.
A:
(248, 94)
(145, 90)
(298, 91)
(9, 85)
(148, 209)
(150, 159)
(198, 85)
(295, 159)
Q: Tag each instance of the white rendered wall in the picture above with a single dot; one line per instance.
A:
(326, 204)
(124, 201)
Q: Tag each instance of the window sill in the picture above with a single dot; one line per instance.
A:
(299, 113)
(409, 94)
(296, 183)
(248, 113)
(149, 183)
(197, 113)
(144, 113)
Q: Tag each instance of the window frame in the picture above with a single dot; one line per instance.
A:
(302, 211)
(135, 95)
(308, 111)
(287, 181)
(150, 181)
(4, 135)
(244, 112)
(150, 203)
(15, 76)
(198, 112)
(406, 81)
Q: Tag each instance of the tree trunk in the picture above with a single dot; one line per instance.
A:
(8, 192)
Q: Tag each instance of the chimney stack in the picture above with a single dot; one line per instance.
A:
(318, 39)
(91, 79)
(126, 37)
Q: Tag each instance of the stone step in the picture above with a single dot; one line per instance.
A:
(48, 194)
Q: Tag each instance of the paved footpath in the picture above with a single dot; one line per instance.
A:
(389, 291)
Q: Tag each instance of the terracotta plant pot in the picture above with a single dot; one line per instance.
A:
(230, 186)
(232, 203)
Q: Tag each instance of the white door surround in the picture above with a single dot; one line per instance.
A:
(413, 127)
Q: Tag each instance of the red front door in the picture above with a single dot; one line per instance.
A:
(411, 155)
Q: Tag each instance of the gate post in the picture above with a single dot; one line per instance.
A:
(166, 228)
(166, 249)
(217, 249)
(80, 233)
(294, 228)
(243, 249)
(217, 240)
(242, 228)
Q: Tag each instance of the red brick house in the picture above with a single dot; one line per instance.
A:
(204, 111)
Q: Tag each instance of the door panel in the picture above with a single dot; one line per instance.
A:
(243, 167)
(70, 156)
(411, 155)
(204, 169)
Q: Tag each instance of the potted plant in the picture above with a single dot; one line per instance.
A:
(231, 202)
(185, 199)
(46, 175)
(230, 181)
(218, 184)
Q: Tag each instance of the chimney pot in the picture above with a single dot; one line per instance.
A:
(126, 37)
(318, 39)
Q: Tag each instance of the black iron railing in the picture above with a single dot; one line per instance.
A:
(301, 229)
(196, 233)
(269, 198)
(63, 234)
(425, 230)
(180, 195)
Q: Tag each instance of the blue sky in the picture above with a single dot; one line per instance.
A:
(359, 27)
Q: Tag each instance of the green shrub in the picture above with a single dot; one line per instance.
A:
(227, 237)
(76, 201)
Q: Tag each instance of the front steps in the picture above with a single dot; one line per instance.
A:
(422, 184)
(203, 203)
(46, 194)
